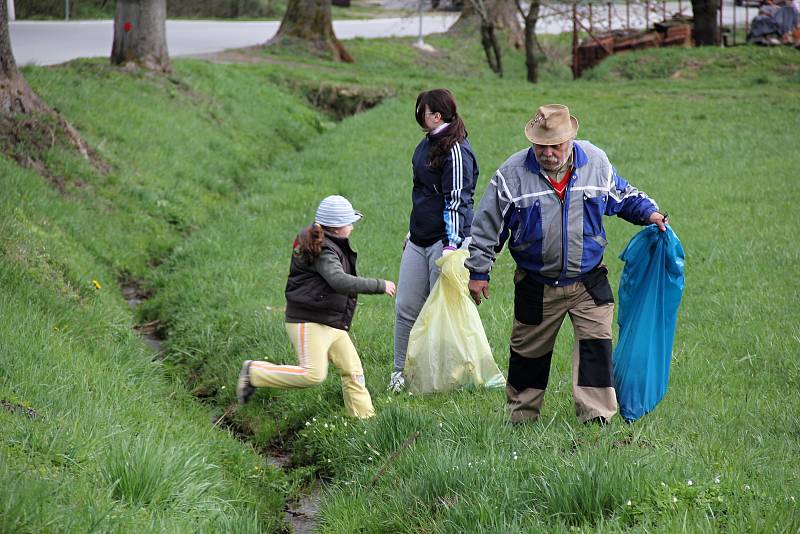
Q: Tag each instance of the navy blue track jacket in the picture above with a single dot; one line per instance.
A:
(442, 197)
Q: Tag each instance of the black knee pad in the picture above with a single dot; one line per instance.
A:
(528, 301)
(594, 366)
(525, 373)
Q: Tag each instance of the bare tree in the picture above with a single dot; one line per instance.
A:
(706, 30)
(309, 22)
(502, 14)
(530, 18)
(488, 37)
(24, 118)
(140, 34)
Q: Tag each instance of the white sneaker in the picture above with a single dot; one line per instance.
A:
(397, 382)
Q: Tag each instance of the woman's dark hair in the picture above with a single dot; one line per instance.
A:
(308, 243)
(443, 102)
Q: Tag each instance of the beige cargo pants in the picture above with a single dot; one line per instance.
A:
(316, 344)
(539, 311)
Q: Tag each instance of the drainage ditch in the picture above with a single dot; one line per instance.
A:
(337, 101)
(301, 514)
(340, 101)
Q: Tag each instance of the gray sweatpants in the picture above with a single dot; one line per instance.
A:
(418, 274)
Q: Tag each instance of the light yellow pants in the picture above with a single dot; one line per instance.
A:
(315, 344)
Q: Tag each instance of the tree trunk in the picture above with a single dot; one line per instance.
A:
(140, 34)
(14, 92)
(16, 96)
(492, 49)
(502, 14)
(531, 61)
(309, 22)
(28, 127)
(488, 38)
(706, 30)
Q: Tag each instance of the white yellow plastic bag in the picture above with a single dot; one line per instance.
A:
(447, 347)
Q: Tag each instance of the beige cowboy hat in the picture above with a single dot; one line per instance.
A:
(552, 125)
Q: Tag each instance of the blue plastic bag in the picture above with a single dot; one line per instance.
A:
(650, 290)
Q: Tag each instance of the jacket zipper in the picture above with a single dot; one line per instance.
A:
(564, 225)
(564, 214)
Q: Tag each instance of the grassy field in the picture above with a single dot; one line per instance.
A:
(116, 443)
(213, 172)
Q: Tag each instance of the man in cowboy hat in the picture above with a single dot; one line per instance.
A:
(548, 202)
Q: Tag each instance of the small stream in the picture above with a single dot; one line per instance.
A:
(301, 514)
(151, 332)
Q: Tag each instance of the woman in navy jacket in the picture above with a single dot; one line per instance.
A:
(445, 174)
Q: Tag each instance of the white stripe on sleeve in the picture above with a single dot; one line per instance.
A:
(458, 184)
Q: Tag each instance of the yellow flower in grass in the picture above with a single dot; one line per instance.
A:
(96, 284)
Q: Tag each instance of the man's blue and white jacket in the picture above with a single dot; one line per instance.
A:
(556, 242)
(442, 197)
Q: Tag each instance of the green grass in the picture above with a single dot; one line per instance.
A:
(678, 145)
(176, 155)
(177, 147)
(93, 457)
(215, 171)
(756, 64)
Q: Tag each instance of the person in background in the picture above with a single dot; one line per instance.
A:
(321, 296)
(548, 201)
(777, 22)
(444, 175)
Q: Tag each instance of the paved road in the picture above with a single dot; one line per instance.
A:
(51, 42)
(48, 43)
